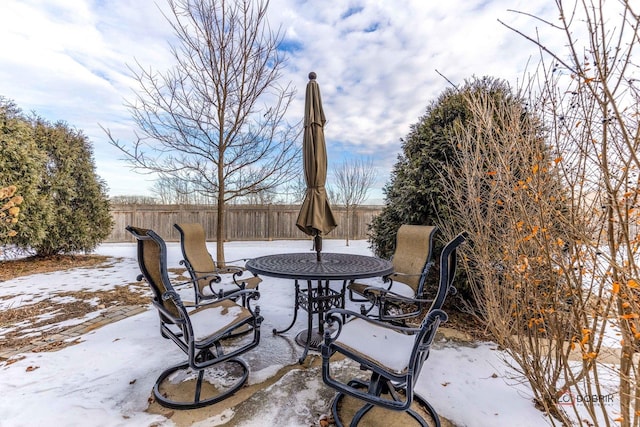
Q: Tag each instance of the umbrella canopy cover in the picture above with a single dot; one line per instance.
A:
(315, 217)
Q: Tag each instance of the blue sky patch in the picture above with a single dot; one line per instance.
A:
(290, 46)
(351, 11)
(372, 28)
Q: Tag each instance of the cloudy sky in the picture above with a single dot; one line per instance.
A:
(379, 64)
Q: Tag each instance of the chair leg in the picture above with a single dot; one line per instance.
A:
(164, 398)
(356, 418)
(361, 413)
(427, 406)
(368, 406)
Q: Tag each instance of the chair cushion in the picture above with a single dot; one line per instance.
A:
(212, 319)
(358, 288)
(206, 291)
(382, 346)
(250, 282)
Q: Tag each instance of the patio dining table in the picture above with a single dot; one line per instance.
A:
(318, 297)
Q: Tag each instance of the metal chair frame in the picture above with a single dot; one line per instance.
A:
(399, 385)
(411, 276)
(203, 350)
(204, 271)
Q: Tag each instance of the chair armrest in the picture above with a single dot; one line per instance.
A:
(247, 293)
(360, 288)
(395, 297)
(211, 278)
(231, 269)
(396, 275)
(214, 277)
(408, 307)
(172, 295)
(252, 281)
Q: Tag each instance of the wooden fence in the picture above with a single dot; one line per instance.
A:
(243, 222)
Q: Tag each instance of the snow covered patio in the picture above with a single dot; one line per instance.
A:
(105, 379)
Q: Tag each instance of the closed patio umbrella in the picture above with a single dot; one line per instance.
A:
(315, 217)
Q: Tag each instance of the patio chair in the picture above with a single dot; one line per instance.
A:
(393, 355)
(205, 274)
(412, 261)
(201, 332)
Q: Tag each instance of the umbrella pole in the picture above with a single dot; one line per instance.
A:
(317, 243)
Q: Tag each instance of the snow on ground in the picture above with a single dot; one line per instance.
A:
(106, 380)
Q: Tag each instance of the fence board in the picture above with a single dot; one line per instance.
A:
(243, 222)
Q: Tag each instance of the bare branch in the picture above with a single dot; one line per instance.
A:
(215, 121)
(352, 182)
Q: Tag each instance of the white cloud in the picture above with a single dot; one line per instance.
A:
(376, 63)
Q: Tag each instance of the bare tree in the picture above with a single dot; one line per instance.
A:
(295, 190)
(353, 180)
(508, 195)
(262, 198)
(589, 93)
(557, 269)
(170, 190)
(133, 200)
(216, 119)
(164, 188)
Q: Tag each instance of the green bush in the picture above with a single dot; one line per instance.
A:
(414, 194)
(65, 207)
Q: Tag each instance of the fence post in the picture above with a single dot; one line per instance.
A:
(269, 225)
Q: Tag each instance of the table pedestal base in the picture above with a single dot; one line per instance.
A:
(314, 300)
(313, 342)
(308, 342)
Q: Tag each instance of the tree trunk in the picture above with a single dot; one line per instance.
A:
(220, 227)
(348, 215)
